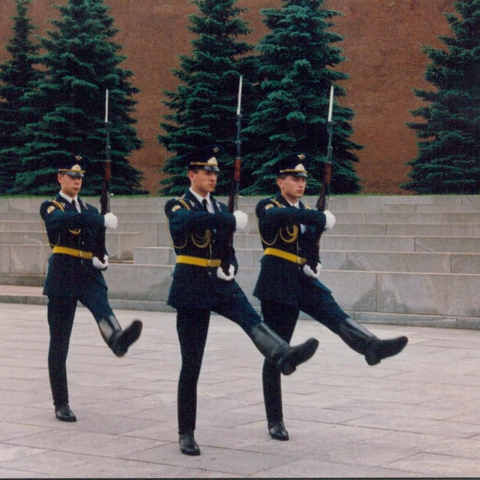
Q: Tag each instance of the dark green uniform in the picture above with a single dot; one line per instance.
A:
(71, 277)
(290, 238)
(203, 282)
(196, 290)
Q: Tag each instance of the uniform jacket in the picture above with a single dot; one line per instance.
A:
(279, 225)
(197, 233)
(68, 275)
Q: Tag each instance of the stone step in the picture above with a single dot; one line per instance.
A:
(154, 233)
(400, 259)
(26, 280)
(21, 225)
(20, 217)
(381, 243)
(340, 203)
(444, 207)
(449, 295)
(400, 244)
(32, 295)
(424, 220)
(458, 263)
(32, 258)
(25, 260)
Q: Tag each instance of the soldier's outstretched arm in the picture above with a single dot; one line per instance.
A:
(57, 219)
(184, 221)
(272, 216)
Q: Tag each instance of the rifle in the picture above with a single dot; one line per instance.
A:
(105, 195)
(324, 197)
(235, 188)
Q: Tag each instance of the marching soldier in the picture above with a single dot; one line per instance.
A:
(288, 283)
(202, 231)
(75, 274)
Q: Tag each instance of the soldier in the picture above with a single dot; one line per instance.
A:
(288, 281)
(202, 231)
(74, 274)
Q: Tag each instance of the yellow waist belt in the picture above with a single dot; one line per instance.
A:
(285, 255)
(73, 252)
(199, 262)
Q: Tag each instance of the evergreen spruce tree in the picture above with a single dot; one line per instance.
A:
(205, 103)
(449, 153)
(17, 76)
(81, 63)
(295, 68)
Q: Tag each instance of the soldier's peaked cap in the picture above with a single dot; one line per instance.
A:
(73, 165)
(205, 158)
(295, 164)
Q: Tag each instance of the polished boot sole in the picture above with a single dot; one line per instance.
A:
(385, 349)
(278, 431)
(188, 445)
(129, 336)
(300, 354)
(65, 414)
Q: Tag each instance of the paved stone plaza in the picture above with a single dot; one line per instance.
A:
(416, 415)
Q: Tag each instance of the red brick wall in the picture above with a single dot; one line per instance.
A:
(383, 50)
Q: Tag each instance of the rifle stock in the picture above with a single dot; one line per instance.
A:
(237, 164)
(234, 191)
(107, 175)
(323, 198)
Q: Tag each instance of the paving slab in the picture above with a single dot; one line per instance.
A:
(414, 415)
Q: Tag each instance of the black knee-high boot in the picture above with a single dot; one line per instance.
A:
(278, 351)
(115, 338)
(358, 338)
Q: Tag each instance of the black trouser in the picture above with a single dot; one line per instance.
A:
(317, 303)
(61, 313)
(192, 329)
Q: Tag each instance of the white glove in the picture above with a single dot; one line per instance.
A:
(100, 265)
(241, 219)
(111, 221)
(310, 273)
(221, 274)
(331, 220)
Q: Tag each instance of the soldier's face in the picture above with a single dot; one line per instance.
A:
(70, 186)
(292, 188)
(202, 182)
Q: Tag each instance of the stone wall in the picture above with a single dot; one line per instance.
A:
(383, 50)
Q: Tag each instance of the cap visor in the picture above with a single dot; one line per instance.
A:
(75, 174)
